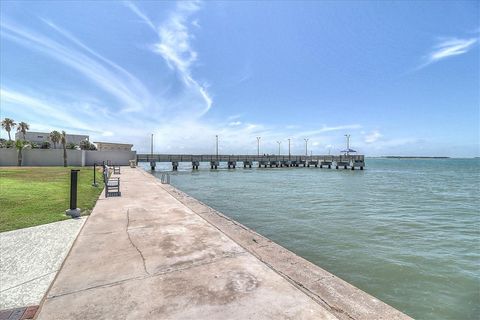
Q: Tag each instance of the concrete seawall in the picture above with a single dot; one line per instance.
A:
(156, 253)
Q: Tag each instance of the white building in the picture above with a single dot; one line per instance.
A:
(40, 137)
(108, 146)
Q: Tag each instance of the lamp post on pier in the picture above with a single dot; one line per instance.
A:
(152, 162)
(216, 145)
(289, 149)
(348, 143)
(258, 146)
(306, 146)
(279, 143)
(151, 146)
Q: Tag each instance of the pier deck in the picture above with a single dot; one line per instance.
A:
(327, 161)
(147, 255)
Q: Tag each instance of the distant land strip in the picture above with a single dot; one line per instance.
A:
(413, 157)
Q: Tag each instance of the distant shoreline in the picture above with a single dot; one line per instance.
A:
(417, 157)
(413, 157)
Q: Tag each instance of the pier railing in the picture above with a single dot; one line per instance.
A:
(226, 158)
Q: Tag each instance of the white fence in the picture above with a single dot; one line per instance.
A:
(54, 157)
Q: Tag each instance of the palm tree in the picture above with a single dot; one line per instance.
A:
(23, 127)
(20, 145)
(8, 125)
(64, 144)
(55, 136)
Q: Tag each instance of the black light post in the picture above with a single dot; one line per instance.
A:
(94, 184)
(74, 212)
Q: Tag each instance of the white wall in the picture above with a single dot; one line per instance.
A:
(117, 157)
(54, 157)
(8, 157)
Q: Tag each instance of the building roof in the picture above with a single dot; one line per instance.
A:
(113, 143)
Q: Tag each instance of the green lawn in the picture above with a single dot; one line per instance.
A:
(36, 195)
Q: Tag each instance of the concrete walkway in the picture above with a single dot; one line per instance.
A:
(146, 255)
(30, 259)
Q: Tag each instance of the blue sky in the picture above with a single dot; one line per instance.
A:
(401, 77)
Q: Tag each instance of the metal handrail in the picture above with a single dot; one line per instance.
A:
(165, 179)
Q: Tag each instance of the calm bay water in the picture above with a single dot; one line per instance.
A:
(405, 231)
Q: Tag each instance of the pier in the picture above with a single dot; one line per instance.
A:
(266, 161)
(156, 253)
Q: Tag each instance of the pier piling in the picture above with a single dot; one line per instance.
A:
(175, 165)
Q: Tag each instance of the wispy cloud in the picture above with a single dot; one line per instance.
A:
(32, 105)
(325, 129)
(446, 48)
(372, 137)
(46, 113)
(107, 75)
(88, 112)
(175, 47)
(140, 14)
(451, 47)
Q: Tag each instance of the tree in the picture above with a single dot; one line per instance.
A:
(86, 145)
(20, 145)
(23, 127)
(55, 137)
(64, 144)
(8, 124)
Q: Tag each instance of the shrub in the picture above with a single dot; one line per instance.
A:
(35, 145)
(10, 144)
(45, 145)
(71, 146)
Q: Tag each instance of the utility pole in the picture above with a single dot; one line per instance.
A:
(216, 145)
(306, 146)
(258, 146)
(289, 149)
(279, 143)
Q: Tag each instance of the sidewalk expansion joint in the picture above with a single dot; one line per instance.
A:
(21, 284)
(157, 274)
